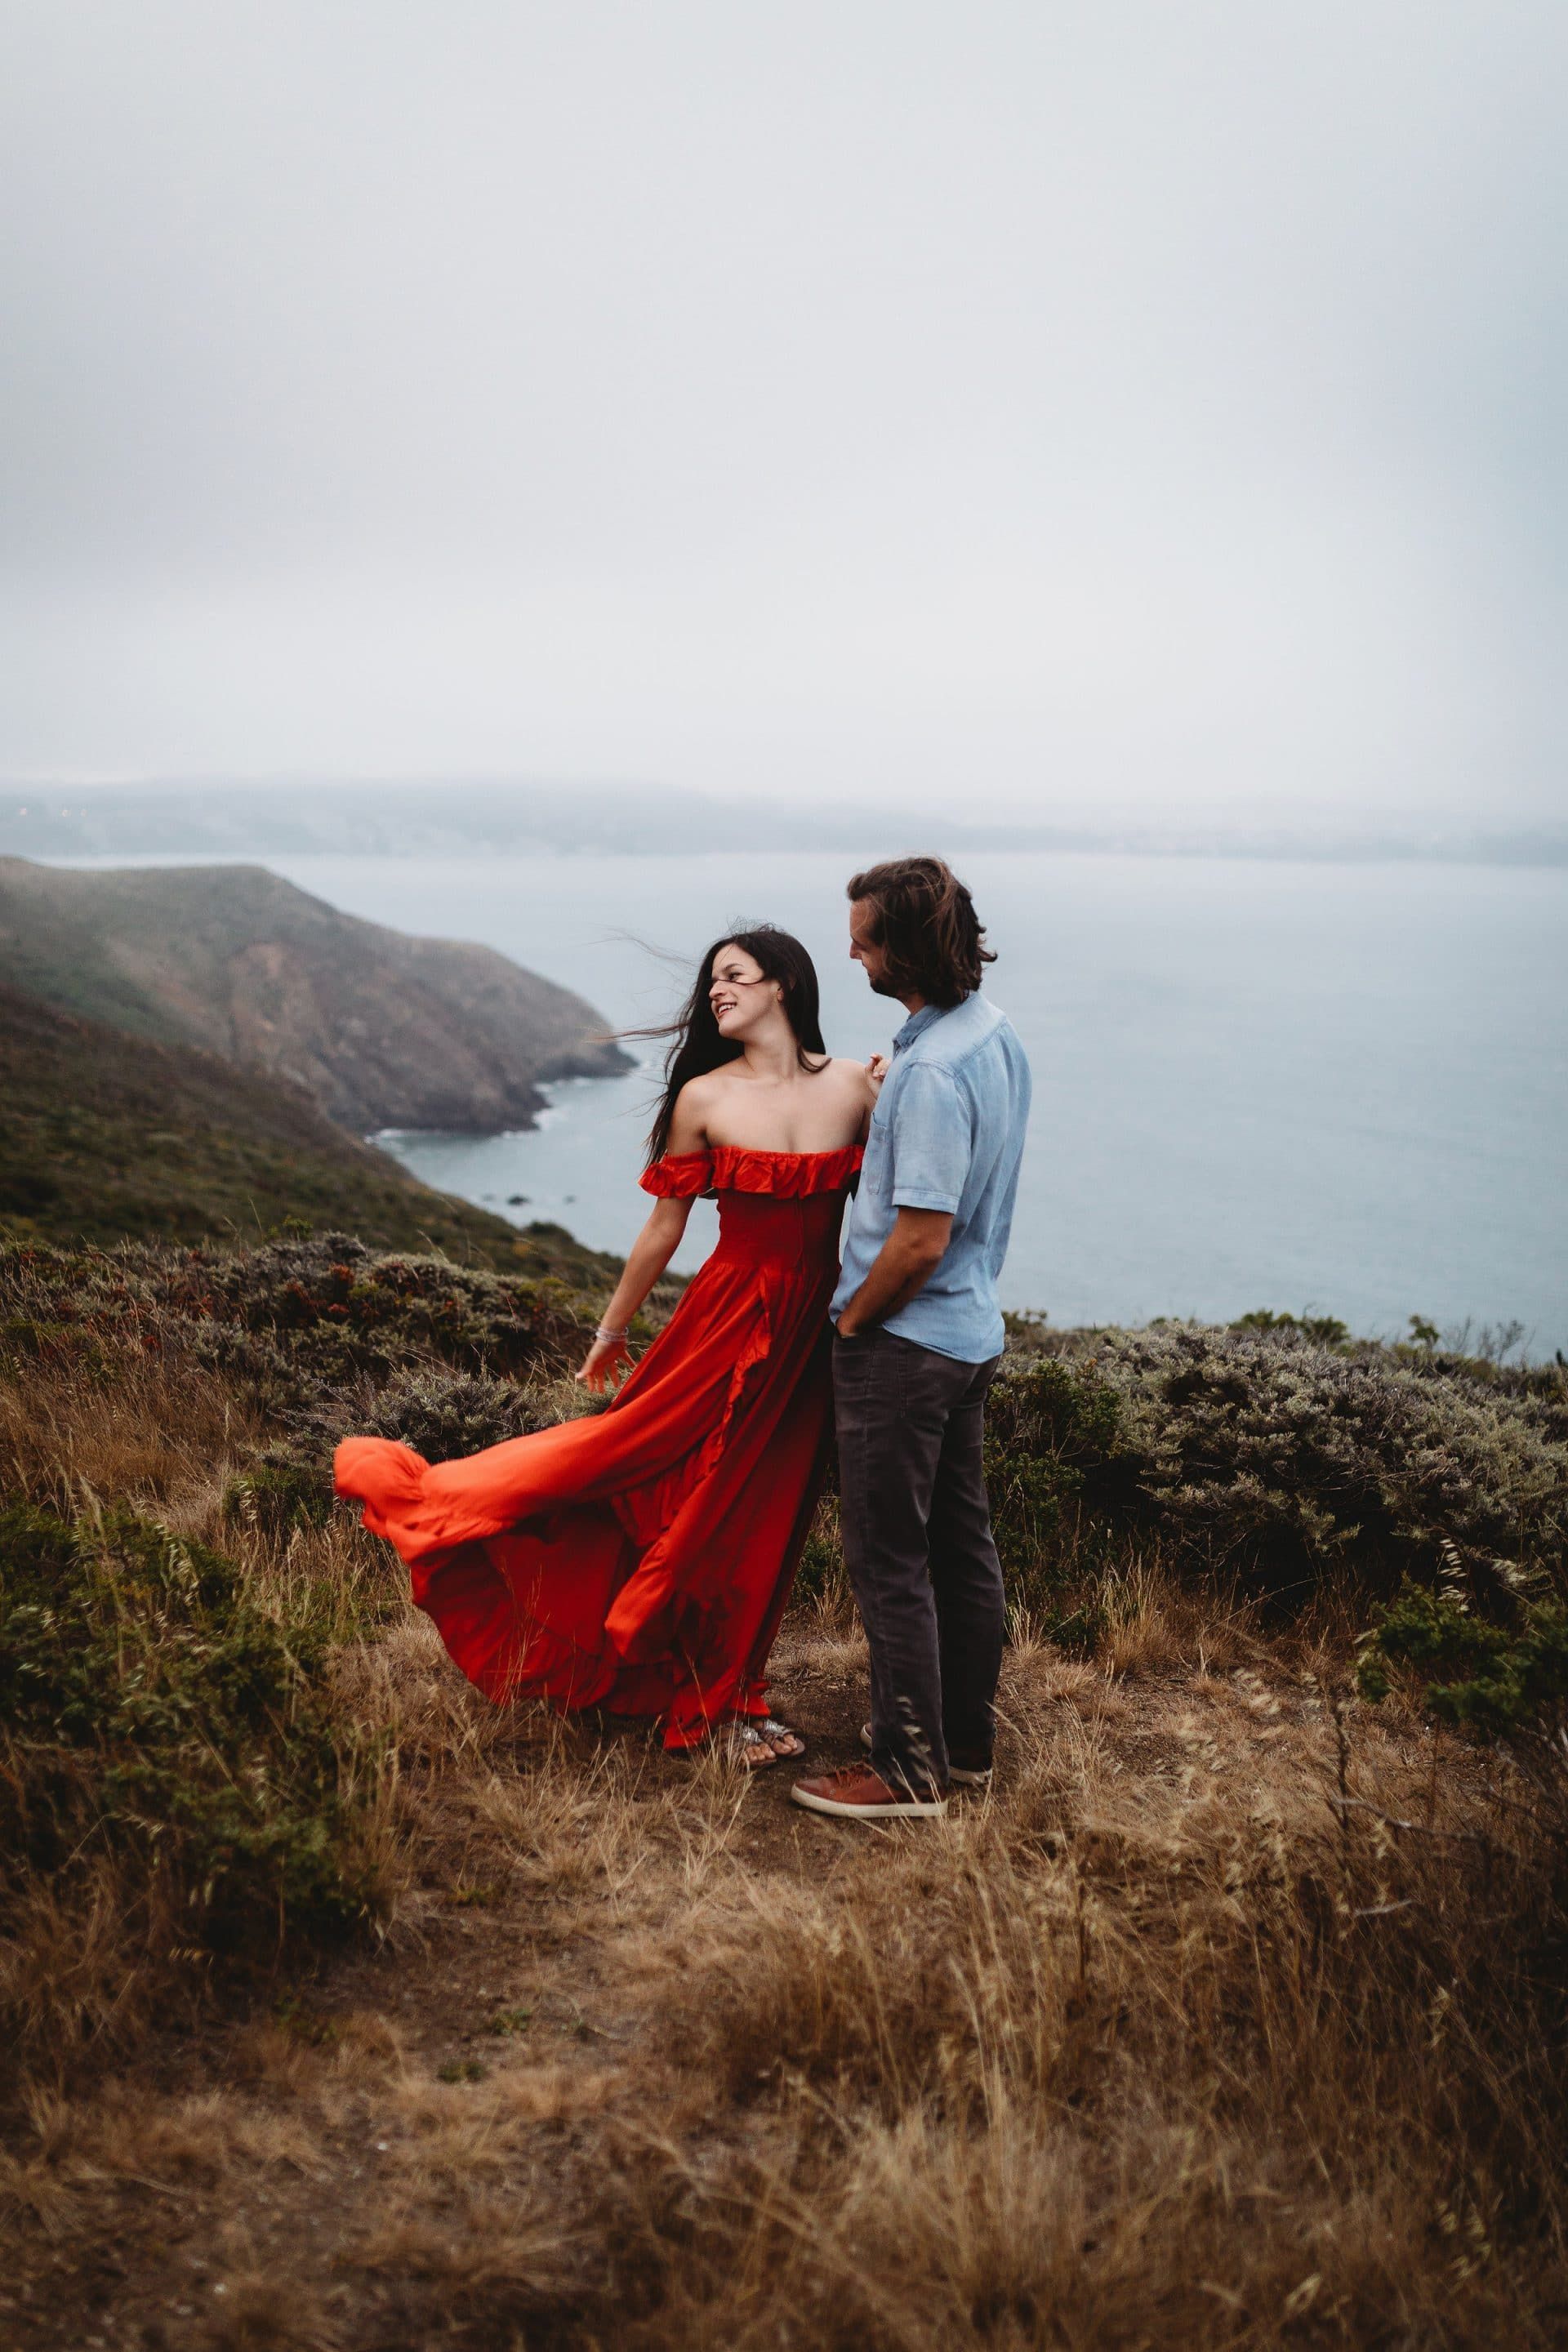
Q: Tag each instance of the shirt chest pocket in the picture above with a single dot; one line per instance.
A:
(877, 1168)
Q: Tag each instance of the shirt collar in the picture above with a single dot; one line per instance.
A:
(915, 1023)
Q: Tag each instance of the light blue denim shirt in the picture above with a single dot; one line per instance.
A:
(947, 1133)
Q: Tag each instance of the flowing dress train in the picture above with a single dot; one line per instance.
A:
(639, 1560)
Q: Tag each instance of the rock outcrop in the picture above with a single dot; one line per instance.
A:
(105, 1136)
(383, 1029)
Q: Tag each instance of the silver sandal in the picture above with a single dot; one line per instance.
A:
(746, 1745)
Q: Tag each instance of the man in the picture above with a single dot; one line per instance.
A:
(917, 1336)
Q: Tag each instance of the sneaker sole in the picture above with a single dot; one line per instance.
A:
(905, 1809)
(956, 1774)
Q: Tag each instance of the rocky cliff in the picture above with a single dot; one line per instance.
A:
(383, 1030)
(104, 1135)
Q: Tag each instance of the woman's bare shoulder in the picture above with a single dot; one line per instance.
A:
(691, 1106)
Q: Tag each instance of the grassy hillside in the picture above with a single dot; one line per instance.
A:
(339, 2009)
(384, 1029)
(104, 1135)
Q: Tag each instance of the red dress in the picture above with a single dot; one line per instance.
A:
(639, 1560)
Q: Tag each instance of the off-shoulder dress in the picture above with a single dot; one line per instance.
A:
(639, 1560)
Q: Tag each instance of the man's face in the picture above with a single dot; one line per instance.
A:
(863, 948)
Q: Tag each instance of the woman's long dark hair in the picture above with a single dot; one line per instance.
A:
(695, 1044)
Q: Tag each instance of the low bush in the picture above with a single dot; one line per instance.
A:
(274, 1496)
(1059, 1470)
(1275, 1460)
(440, 1415)
(292, 1320)
(1502, 1679)
(1326, 1330)
(169, 1752)
(378, 1307)
(822, 1580)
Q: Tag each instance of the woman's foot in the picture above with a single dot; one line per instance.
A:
(754, 1743)
(784, 1742)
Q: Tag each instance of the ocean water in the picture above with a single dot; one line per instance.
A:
(1336, 1088)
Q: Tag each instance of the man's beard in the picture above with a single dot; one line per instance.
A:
(884, 986)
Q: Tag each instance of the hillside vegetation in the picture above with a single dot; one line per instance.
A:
(345, 2011)
(104, 1135)
(383, 1029)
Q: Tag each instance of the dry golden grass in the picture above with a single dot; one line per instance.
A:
(1165, 2057)
(1232, 2017)
(1155, 2046)
(126, 1424)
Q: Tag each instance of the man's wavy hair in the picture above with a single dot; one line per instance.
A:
(924, 921)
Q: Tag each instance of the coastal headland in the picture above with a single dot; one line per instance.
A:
(381, 1028)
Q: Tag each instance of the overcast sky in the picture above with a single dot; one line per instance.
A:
(1133, 404)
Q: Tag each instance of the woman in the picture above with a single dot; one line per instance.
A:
(640, 1562)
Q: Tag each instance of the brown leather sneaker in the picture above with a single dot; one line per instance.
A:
(961, 1776)
(856, 1793)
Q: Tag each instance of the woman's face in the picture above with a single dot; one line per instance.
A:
(740, 992)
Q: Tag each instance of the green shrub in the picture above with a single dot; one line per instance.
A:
(1503, 1680)
(1324, 1330)
(275, 1497)
(292, 1321)
(1278, 1461)
(364, 1310)
(822, 1576)
(316, 1335)
(440, 1415)
(153, 1713)
(1055, 1459)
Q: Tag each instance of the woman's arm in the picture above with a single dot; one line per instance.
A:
(651, 1253)
(654, 1246)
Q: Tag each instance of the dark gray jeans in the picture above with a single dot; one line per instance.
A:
(916, 1542)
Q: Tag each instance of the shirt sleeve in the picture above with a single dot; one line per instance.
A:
(931, 1139)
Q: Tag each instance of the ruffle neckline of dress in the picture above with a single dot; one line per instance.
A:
(729, 1168)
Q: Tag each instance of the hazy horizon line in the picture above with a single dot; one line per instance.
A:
(234, 820)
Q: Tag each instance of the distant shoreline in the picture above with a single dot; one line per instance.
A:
(231, 823)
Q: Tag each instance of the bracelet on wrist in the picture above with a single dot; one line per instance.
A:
(604, 1332)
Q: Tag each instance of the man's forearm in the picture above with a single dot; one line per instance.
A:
(901, 1270)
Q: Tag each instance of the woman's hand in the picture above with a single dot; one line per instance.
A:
(599, 1365)
(876, 1071)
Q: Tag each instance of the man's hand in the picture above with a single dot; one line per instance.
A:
(902, 1268)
